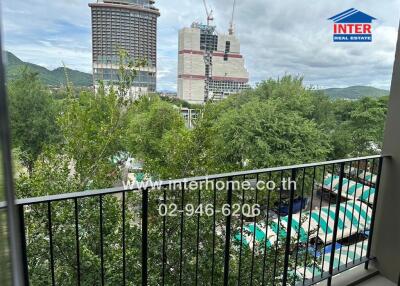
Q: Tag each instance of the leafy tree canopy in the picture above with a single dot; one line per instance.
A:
(280, 122)
(33, 115)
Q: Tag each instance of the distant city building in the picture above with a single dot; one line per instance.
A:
(129, 25)
(210, 66)
(168, 94)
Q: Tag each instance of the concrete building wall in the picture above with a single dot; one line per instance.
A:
(191, 64)
(189, 39)
(230, 68)
(235, 44)
(208, 69)
(191, 90)
(386, 236)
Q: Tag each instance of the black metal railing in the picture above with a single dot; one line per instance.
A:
(277, 226)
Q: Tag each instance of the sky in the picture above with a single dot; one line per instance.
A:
(277, 37)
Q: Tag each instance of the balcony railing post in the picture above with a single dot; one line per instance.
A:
(24, 254)
(336, 222)
(101, 240)
(371, 228)
(77, 243)
(228, 232)
(123, 239)
(50, 227)
(289, 228)
(181, 234)
(145, 216)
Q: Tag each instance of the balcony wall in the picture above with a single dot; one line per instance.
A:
(386, 246)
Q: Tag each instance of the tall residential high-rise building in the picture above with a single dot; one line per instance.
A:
(129, 25)
(210, 66)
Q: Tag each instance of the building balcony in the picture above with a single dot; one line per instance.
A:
(334, 223)
(294, 225)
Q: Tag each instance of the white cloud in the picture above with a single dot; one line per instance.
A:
(277, 37)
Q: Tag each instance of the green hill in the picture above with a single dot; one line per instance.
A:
(355, 92)
(56, 77)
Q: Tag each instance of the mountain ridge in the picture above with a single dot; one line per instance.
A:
(355, 92)
(56, 77)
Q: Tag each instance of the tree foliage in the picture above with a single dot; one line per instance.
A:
(150, 123)
(280, 132)
(280, 122)
(33, 115)
(359, 127)
(92, 128)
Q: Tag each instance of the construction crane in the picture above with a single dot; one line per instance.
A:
(231, 25)
(210, 17)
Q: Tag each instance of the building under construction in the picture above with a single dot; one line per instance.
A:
(210, 66)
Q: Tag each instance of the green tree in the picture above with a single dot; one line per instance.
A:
(280, 122)
(367, 122)
(276, 138)
(359, 127)
(33, 115)
(53, 174)
(94, 126)
(151, 121)
(92, 129)
(268, 126)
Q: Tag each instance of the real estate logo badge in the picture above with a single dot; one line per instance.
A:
(352, 26)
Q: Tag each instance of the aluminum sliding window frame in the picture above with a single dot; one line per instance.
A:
(18, 272)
